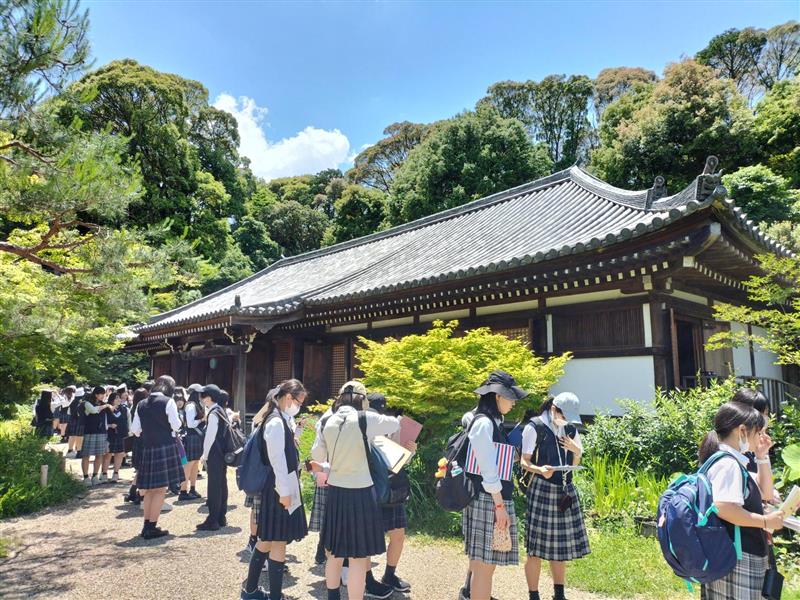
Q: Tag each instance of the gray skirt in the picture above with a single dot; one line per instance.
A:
(477, 523)
(743, 583)
(94, 444)
(549, 533)
(318, 508)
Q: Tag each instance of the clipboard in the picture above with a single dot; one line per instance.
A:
(396, 455)
(409, 430)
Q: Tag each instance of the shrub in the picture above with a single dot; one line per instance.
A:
(614, 491)
(663, 438)
(21, 455)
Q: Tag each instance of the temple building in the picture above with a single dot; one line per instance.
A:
(625, 280)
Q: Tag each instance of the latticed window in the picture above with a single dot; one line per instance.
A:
(281, 362)
(516, 333)
(338, 367)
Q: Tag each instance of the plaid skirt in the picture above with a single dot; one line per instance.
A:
(193, 443)
(75, 427)
(477, 523)
(159, 467)
(63, 415)
(318, 508)
(94, 444)
(254, 503)
(352, 526)
(116, 443)
(549, 533)
(743, 583)
(394, 517)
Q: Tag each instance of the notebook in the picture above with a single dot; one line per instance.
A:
(504, 458)
(409, 430)
(396, 455)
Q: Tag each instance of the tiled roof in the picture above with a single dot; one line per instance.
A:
(568, 212)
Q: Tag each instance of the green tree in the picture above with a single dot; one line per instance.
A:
(762, 194)
(253, 239)
(432, 376)
(233, 267)
(688, 115)
(472, 155)
(359, 212)
(612, 83)
(295, 227)
(780, 57)
(376, 166)
(776, 127)
(734, 54)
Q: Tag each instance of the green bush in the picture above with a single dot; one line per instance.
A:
(662, 439)
(21, 455)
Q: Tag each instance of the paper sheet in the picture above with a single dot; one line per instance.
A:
(566, 468)
(396, 455)
(409, 430)
(294, 494)
(792, 502)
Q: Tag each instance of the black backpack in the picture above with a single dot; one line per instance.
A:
(522, 476)
(457, 488)
(391, 489)
(233, 440)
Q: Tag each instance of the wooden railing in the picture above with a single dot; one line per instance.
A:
(778, 392)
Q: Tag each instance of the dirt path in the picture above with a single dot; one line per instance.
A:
(90, 548)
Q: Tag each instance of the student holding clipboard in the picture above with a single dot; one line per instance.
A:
(554, 528)
(491, 514)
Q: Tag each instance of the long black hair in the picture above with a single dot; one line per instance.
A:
(194, 398)
(729, 417)
(290, 387)
(487, 405)
(752, 397)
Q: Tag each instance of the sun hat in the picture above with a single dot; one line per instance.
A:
(568, 403)
(504, 384)
(213, 392)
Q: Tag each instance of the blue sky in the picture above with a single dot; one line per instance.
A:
(313, 83)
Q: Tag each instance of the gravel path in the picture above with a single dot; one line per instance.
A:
(90, 548)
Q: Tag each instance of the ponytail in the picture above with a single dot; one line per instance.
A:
(708, 446)
(730, 416)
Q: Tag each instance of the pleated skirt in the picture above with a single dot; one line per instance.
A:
(352, 525)
(116, 443)
(159, 467)
(193, 442)
(318, 508)
(275, 524)
(75, 427)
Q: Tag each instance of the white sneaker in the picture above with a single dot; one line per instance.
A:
(87, 482)
(345, 573)
(166, 507)
(94, 480)
(103, 478)
(71, 454)
(115, 478)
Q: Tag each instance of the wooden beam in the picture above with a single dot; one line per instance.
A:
(240, 397)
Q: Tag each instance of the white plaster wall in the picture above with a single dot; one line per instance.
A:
(599, 382)
(765, 361)
(741, 355)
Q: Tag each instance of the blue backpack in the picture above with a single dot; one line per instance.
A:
(693, 539)
(252, 472)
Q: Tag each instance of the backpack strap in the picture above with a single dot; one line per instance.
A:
(540, 429)
(714, 458)
(362, 425)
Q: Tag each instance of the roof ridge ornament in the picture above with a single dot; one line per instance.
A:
(658, 191)
(708, 185)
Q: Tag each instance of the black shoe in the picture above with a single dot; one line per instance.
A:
(206, 526)
(194, 495)
(79, 454)
(199, 475)
(223, 522)
(464, 594)
(376, 589)
(320, 558)
(184, 497)
(175, 490)
(154, 533)
(397, 584)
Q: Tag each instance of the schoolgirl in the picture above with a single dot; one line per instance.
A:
(758, 457)
(95, 437)
(68, 393)
(737, 428)
(192, 413)
(277, 526)
(136, 449)
(395, 522)
(493, 506)
(155, 423)
(217, 494)
(43, 411)
(352, 525)
(118, 430)
(554, 528)
(76, 426)
(254, 502)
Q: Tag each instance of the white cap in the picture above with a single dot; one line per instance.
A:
(568, 403)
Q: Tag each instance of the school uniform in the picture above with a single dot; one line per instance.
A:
(193, 436)
(77, 423)
(44, 417)
(158, 462)
(275, 523)
(747, 578)
(320, 493)
(394, 517)
(63, 411)
(95, 435)
(217, 494)
(352, 525)
(117, 435)
(478, 518)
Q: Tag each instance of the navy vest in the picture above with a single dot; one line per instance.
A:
(95, 423)
(121, 421)
(156, 430)
(753, 539)
(549, 452)
(290, 448)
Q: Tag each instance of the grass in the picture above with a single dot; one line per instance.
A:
(5, 545)
(623, 565)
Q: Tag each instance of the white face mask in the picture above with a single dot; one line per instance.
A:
(744, 445)
(292, 409)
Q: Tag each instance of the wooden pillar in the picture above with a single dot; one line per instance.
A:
(240, 397)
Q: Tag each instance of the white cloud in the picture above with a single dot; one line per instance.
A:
(309, 151)
(351, 158)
